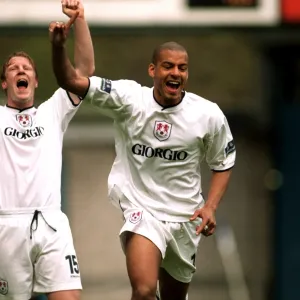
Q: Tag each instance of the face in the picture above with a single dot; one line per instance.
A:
(20, 82)
(170, 75)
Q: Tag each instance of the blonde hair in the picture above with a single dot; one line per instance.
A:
(17, 54)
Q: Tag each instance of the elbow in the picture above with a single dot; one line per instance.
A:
(64, 84)
(91, 70)
(87, 70)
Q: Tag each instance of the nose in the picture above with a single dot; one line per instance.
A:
(175, 72)
(21, 71)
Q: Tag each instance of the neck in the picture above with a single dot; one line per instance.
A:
(166, 102)
(19, 105)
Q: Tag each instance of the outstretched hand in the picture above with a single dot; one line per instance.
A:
(70, 7)
(58, 31)
(208, 224)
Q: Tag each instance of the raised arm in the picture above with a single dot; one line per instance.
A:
(65, 73)
(83, 47)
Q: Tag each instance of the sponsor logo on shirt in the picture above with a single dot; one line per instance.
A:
(24, 120)
(162, 130)
(168, 154)
(25, 135)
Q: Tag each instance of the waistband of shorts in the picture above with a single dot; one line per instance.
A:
(28, 210)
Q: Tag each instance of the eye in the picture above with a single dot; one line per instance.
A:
(167, 66)
(183, 68)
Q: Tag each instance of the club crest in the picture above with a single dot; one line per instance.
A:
(24, 120)
(135, 217)
(162, 130)
(3, 287)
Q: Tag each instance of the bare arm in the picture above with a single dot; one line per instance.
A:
(218, 186)
(83, 46)
(220, 157)
(65, 73)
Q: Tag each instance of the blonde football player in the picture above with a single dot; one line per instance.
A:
(36, 245)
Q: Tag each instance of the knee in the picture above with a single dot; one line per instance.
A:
(143, 292)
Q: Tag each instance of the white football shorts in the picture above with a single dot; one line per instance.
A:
(37, 254)
(177, 242)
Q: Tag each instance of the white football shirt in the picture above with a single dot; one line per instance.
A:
(31, 154)
(159, 150)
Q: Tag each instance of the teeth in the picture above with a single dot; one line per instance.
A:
(174, 82)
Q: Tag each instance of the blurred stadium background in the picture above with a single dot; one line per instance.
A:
(244, 55)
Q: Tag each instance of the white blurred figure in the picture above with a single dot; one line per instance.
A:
(37, 251)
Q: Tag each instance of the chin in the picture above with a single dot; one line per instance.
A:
(173, 96)
(22, 100)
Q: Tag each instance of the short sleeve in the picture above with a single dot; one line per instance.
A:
(114, 98)
(220, 147)
(63, 106)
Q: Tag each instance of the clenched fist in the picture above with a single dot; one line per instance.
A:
(70, 7)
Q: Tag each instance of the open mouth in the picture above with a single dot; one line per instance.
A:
(173, 85)
(22, 84)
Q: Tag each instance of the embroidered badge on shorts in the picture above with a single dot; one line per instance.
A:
(3, 287)
(136, 217)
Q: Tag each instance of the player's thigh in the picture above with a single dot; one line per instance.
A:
(64, 295)
(16, 271)
(57, 267)
(143, 259)
(180, 258)
(170, 288)
(144, 243)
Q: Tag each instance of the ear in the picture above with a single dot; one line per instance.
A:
(4, 85)
(36, 83)
(151, 70)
